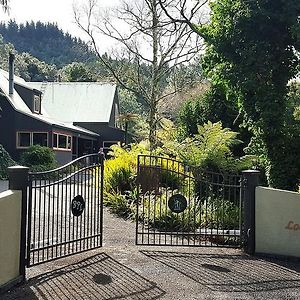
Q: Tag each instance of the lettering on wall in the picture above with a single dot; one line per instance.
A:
(292, 226)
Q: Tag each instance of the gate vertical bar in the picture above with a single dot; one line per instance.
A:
(137, 203)
(29, 222)
(101, 159)
(241, 210)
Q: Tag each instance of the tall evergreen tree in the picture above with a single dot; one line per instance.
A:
(252, 45)
(46, 42)
(251, 51)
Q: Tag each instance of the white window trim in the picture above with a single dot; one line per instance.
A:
(18, 140)
(35, 99)
(117, 122)
(31, 138)
(58, 148)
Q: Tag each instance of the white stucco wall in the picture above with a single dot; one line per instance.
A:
(277, 222)
(10, 231)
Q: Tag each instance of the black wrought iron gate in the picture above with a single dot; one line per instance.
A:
(65, 210)
(183, 206)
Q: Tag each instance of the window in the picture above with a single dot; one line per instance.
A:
(23, 139)
(62, 141)
(107, 144)
(37, 104)
(27, 139)
(40, 138)
(69, 143)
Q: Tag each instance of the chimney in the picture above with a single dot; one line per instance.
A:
(11, 73)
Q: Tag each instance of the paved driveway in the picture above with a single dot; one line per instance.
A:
(121, 270)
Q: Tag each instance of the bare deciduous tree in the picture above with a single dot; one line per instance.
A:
(152, 47)
(186, 12)
(4, 4)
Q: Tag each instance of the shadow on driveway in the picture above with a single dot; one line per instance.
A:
(230, 273)
(97, 277)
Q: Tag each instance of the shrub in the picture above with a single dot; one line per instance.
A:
(212, 213)
(122, 205)
(120, 170)
(38, 159)
(169, 221)
(170, 179)
(119, 176)
(171, 174)
(161, 170)
(158, 215)
(5, 162)
(221, 214)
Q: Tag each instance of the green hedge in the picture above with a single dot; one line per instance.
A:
(5, 162)
(38, 159)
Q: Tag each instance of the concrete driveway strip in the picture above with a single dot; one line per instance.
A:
(121, 270)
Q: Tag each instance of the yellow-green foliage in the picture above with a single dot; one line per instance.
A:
(297, 113)
(172, 175)
(120, 170)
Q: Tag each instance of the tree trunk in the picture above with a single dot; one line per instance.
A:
(126, 132)
(152, 127)
(154, 78)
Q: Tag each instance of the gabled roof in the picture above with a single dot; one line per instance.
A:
(77, 101)
(15, 99)
(19, 105)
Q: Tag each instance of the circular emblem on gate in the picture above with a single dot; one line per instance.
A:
(177, 203)
(77, 206)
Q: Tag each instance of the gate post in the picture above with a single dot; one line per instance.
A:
(18, 180)
(251, 181)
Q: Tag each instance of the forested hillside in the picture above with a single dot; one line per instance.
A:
(46, 42)
(45, 53)
(26, 66)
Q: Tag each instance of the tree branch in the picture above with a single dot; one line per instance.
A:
(184, 19)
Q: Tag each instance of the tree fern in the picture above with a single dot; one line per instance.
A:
(211, 148)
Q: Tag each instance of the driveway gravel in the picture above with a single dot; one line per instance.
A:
(121, 270)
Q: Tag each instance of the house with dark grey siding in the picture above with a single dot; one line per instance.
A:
(41, 113)
(90, 105)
